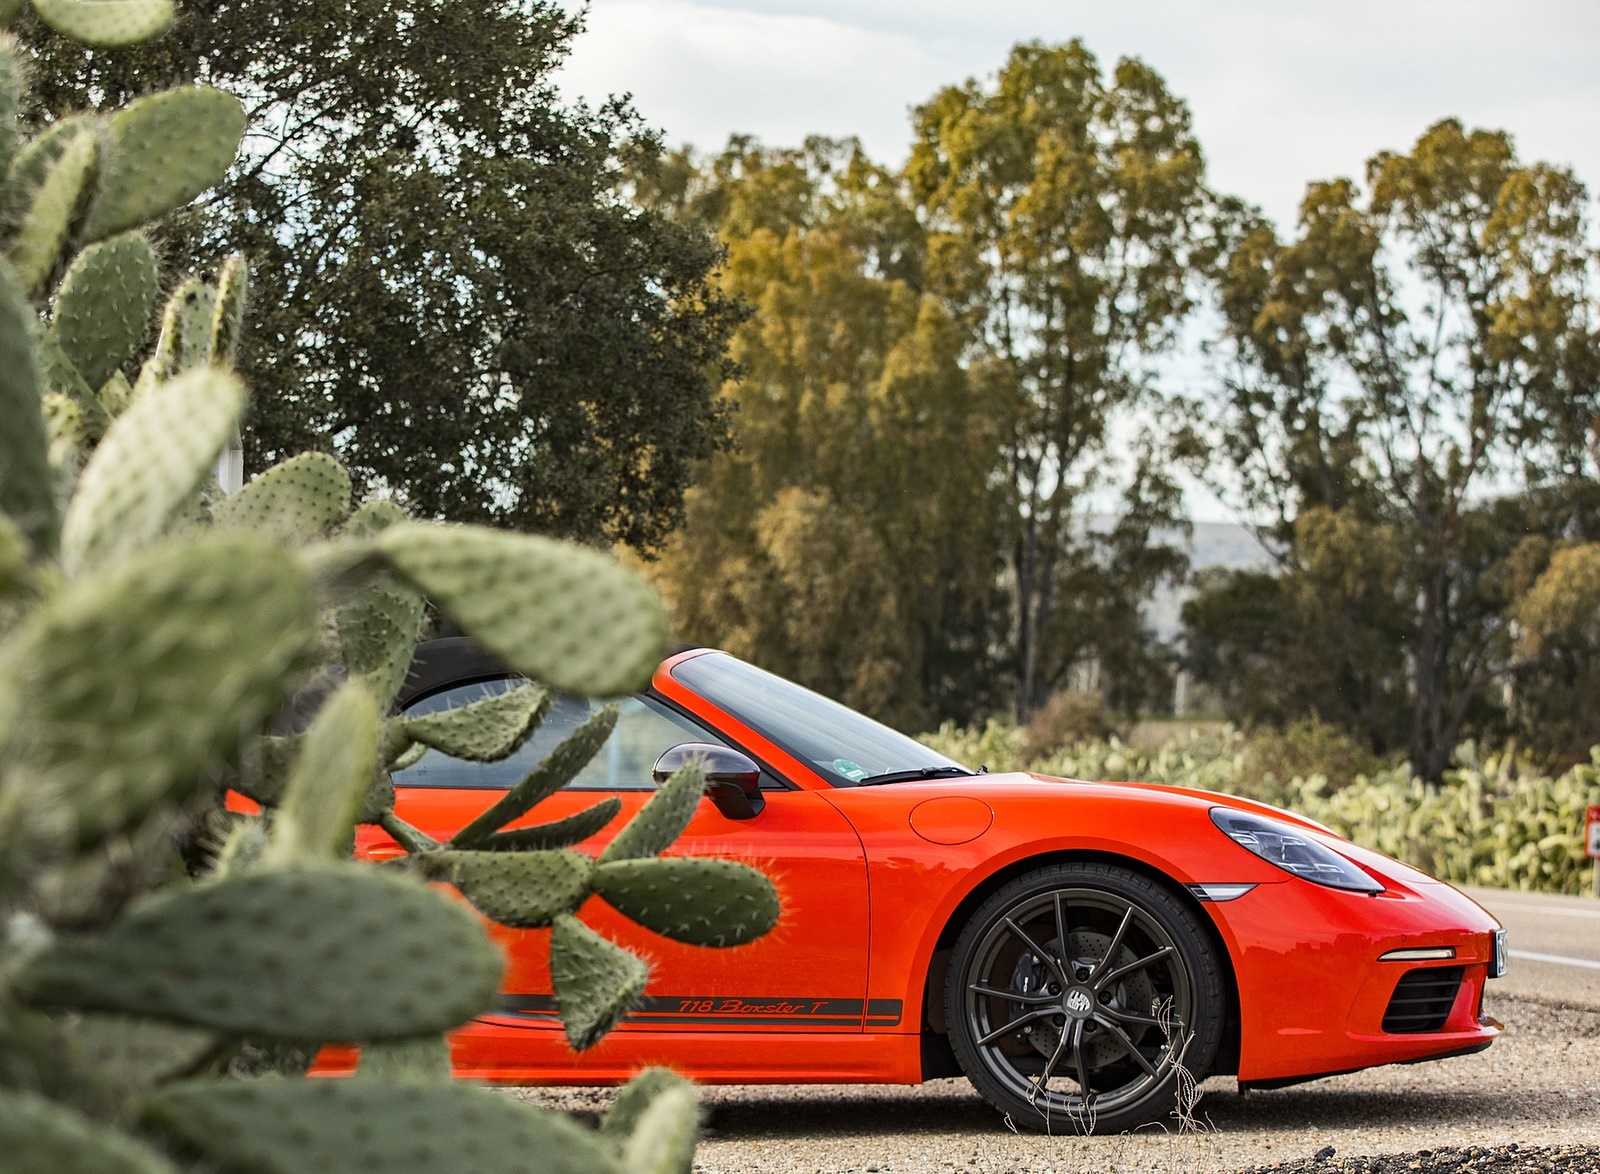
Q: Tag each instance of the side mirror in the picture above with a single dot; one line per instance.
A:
(733, 780)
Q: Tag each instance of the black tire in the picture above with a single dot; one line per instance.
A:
(1134, 953)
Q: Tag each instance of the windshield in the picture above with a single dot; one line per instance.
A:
(844, 746)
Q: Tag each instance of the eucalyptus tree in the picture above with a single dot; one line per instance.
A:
(1420, 358)
(849, 541)
(1065, 211)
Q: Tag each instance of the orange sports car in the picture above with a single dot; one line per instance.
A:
(1077, 949)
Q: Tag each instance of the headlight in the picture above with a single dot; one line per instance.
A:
(1292, 850)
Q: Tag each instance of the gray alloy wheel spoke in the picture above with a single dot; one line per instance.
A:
(1039, 951)
(1111, 950)
(1028, 998)
(1124, 1016)
(1136, 964)
(1020, 1021)
(1082, 1064)
(1127, 1046)
(1055, 1058)
(1061, 934)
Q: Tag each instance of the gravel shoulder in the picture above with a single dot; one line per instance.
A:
(1538, 1088)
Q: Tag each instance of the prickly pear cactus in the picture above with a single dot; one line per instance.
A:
(151, 627)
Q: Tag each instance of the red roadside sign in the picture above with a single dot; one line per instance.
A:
(1591, 830)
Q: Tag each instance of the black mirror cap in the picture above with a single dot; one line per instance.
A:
(733, 779)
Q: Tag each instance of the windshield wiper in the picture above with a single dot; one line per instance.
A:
(909, 776)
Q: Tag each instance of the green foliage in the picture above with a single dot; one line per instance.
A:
(700, 902)
(1411, 349)
(407, 1128)
(513, 590)
(595, 981)
(42, 1137)
(142, 658)
(854, 529)
(132, 687)
(661, 820)
(271, 953)
(1493, 820)
(27, 485)
(455, 229)
(106, 24)
(486, 730)
(1066, 719)
(1064, 214)
(149, 466)
(297, 501)
(104, 305)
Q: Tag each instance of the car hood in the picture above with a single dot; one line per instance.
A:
(1046, 785)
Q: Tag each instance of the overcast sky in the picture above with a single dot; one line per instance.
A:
(1282, 91)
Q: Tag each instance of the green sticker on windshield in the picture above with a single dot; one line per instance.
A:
(849, 770)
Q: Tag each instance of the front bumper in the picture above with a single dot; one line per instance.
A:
(1314, 990)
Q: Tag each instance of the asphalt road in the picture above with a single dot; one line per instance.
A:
(1554, 943)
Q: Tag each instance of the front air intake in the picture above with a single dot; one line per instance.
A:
(1422, 1000)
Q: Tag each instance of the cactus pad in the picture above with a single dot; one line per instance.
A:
(378, 633)
(544, 780)
(330, 781)
(185, 338)
(692, 900)
(570, 617)
(27, 485)
(663, 1141)
(148, 465)
(634, 1098)
(227, 323)
(294, 1126)
(486, 730)
(524, 890)
(162, 151)
(104, 305)
(425, 1058)
(297, 500)
(10, 92)
(595, 981)
(58, 200)
(133, 1055)
(137, 682)
(560, 833)
(41, 1137)
(336, 953)
(662, 819)
(106, 24)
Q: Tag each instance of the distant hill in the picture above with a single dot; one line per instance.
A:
(1213, 544)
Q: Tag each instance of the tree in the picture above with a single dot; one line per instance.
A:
(849, 542)
(1413, 355)
(1064, 213)
(454, 288)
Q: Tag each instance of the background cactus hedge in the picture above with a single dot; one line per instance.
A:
(1496, 819)
(151, 628)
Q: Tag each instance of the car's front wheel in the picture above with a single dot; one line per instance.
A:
(1085, 997)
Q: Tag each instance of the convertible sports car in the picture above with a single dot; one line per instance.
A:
(1079, 950)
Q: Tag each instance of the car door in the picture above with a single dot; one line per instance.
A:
(809, 974)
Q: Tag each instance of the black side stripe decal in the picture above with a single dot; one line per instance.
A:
(691, 1009)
